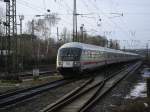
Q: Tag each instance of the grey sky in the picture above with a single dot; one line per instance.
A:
(133, 25)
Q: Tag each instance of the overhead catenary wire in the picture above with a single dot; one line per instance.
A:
(86, 5)
(109, 20)
(96, 18)
(68, 10)
(29, 6)
(125, 25)
(44, 4)
(65, 6)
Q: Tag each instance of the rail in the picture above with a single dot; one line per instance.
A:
(90, 92)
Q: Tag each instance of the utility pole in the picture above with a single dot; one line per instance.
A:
(57, 38)
(147, 48)
(1, 40)
(11, 33)
(75, 22)
(32, 23)
(81, 28)
(7, 38)
(33, 43)
(57, 35)
(21, 44)
(21, 17)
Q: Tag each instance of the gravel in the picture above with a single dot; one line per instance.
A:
(40, 101)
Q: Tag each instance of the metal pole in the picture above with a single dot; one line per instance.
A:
(21, 17)
(81, 28)
(1, 39)
(74, 22)
(147, 51)
(57, 35)
(7, 38)
(32, 27)
(14, 18)
(21, 44)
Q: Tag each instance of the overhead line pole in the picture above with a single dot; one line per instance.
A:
(21, 17)
(21, 44)
(11, 44)
(7, 38)
(75, 22)
(82, 35)
(57, 34)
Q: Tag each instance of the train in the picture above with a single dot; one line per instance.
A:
(74, 58)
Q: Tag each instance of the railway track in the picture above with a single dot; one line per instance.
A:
(21, 95)
(83, 97)
(29, 74)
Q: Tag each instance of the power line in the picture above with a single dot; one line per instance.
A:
(97, 8)
(44, 4)
(86, 5)
(120, 28)
(68, 6)
(61, 5)
(26, 4)
(29, 3)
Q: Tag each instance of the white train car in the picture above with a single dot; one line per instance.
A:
(75, 57)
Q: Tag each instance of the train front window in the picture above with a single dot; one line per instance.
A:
(70, 54)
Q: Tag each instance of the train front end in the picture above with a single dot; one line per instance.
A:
(68, 61)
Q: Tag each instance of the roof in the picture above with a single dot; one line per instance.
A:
(82, 46)
(93, 47)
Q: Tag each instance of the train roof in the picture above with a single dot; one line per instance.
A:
(93, 47)
(82, 46)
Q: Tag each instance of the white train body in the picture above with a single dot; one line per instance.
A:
(77, 57)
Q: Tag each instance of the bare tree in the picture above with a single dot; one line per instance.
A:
(42, 26)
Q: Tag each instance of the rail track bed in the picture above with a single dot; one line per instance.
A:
(37, 102)
(20, 95)
(83, 97)
(124, 93)
(29, 75)
(28, 80)
(41, 100)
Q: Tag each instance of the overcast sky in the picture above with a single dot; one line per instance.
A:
(133, 26)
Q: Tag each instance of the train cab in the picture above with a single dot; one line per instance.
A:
(68, 60)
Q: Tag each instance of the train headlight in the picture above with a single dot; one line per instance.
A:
(76, 63)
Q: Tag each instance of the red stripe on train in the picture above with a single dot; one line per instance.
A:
(91, 62)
